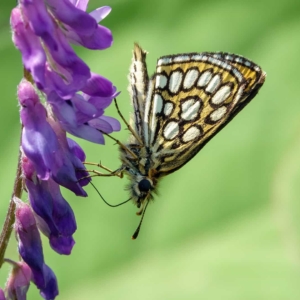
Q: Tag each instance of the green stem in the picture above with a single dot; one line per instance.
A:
(10, 217)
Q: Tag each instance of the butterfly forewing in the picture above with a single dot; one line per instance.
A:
(138, 86)
(190, 98)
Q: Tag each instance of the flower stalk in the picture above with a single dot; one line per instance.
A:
(10, 216)
(17, 192)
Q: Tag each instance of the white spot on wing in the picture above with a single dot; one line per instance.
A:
(190, 109)
(147, 109)
(228, 57)
(190, 78)
(191, 134)
(214, 60)
(158, 103)
(221, 95)
(197, 57)
(171, 130)
(164, 61)
(175, 81)
(204, 79)
(161, 81)
(237, 73)
(181, 58)
(157, 108)
(256, 68)
(218, 114)
(213, 84)
(238, 60)
(168, 108)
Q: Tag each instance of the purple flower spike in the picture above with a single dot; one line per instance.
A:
(30, 249)
(18, 282)
(39, 141)
(59, 95)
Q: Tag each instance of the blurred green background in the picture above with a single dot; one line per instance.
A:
(226, 226)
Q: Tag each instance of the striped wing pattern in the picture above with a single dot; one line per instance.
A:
(138, 86)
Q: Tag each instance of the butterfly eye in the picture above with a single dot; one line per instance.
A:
(144, 185)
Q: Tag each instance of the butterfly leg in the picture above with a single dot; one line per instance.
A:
(117, 173)
(97, 174)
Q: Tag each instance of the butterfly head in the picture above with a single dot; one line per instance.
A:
(141, 190)
(141, 194)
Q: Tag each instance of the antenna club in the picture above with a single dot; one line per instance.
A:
(137, 231)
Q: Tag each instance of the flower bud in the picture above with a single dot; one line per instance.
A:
(30, 249)
(18, 281)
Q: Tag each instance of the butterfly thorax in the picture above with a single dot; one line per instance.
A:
(141, 171)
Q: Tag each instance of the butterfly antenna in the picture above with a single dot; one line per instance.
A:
(111, 205)
(137, 231)
(127, 124)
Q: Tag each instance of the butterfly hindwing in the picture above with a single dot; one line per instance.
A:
(190, 98)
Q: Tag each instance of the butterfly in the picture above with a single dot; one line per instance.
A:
(188, 100)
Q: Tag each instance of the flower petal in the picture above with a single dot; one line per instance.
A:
(100, 13)
(99, 86)
(39, 141)
(114, 123)
(18, 281)
(33, 55)
(78, 20)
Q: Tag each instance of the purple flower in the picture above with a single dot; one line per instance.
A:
(54, 215)
(83, 117)
(58, 95)
(30, 249)
(78, 157)
(18, 281)
(42, 32)
(72, 168)
(44, 142)
(80, 27)
(39, 140)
